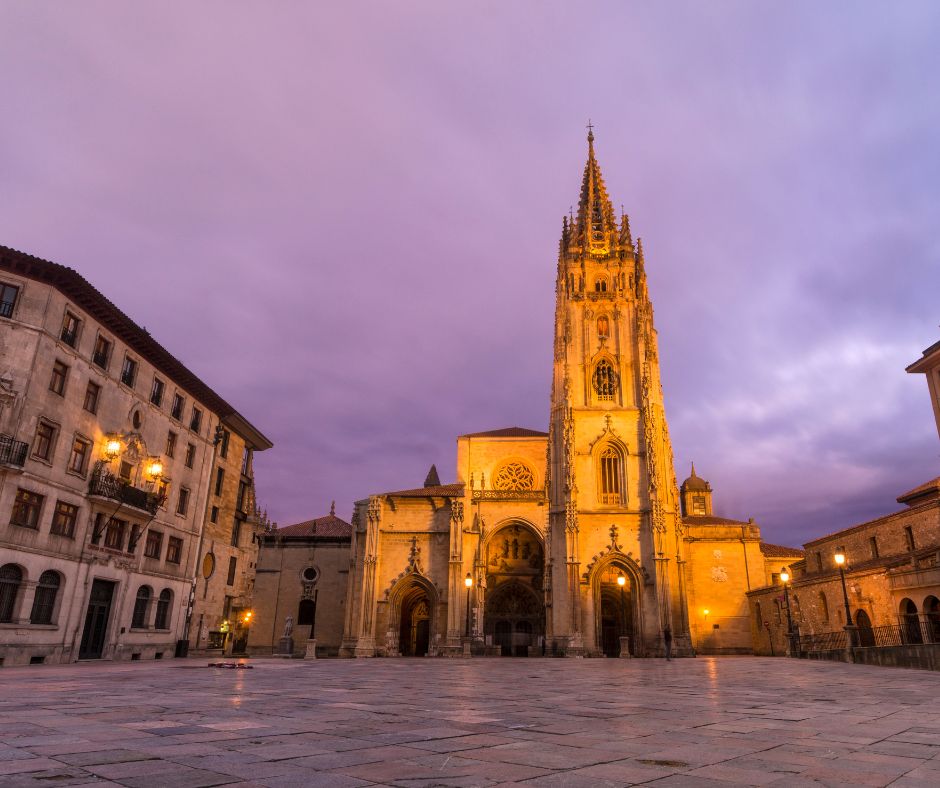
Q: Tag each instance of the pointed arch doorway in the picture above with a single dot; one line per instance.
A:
(616, 606)
(514, 619)
(414, 637)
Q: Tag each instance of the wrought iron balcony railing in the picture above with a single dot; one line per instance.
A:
(13, 452)
(107, 485)
(70, 337)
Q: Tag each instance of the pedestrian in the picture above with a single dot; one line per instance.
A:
(667, 641)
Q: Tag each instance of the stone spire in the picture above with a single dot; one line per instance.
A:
(595, 224)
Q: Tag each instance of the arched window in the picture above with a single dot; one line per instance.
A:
(610, 476)
(600, 285)
(162, 618)
(823, 607)
(514, 476)
(139, 621)
(605, 380)
(44, 601)
(11, 578)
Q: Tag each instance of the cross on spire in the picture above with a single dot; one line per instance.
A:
(590, 128)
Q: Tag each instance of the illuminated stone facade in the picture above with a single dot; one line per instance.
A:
(570, 542)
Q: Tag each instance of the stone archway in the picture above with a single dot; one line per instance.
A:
(514, 619)
(414, 634)
(616, 607)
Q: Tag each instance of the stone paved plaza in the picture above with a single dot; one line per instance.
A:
(701, 722)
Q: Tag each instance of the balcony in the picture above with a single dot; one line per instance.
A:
(914, 578)
(107, 485)
(69, 336)
(13, 452)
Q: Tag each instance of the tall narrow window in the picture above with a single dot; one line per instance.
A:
(45, 441)
(174, 550)
(11, 578)
(605, 380)
(611, 474)
(69, 333)
(232, 563)
(92, 395)
(78, 458)
(182, 503)
(44, 600)
(873, 545)
(219, 480)
(236, 530)
(170, 444)
(162, 619)
(60, 372)
(195, 420)
(141, 604)
(102, 353)
(909, 536)
(129, 372)
(63, 520)
(177, 410)
(8, 295)
(823, 608)
(223, 449)
(156, 392)
(190, 455)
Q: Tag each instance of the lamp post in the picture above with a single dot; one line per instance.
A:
(624, 637)
(785, 577)
(468, 582)
(840, 562)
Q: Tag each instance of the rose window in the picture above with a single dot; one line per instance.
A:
(514, 476)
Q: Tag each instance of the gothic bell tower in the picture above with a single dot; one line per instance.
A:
(615, 523)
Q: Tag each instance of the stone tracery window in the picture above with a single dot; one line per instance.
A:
(514, 476)
(610, 476)
(605, 380)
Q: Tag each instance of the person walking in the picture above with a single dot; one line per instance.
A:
(667, 641)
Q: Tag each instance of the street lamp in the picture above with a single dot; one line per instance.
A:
(785, 577)
(624, 641)
(840, 562)
(468, 582)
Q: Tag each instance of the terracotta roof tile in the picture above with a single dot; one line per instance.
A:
(707, 519)
(924, 490)
(328, 526)
(440, 491)
(779, 551)
(507, 432)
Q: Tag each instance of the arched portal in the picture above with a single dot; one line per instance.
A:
(415, 631)
(513, 606)
(514, 619)
(910, 622)
(616, 606)
(932, 618)
(866, 635)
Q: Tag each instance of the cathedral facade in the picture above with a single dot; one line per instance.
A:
(571, 542)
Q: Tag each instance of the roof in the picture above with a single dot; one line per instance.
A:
(74, 286)
(440, 491)
(779, 551)
(924, 362)
(707, 519)
(507, 432)
(329, 526)
(921, 493)
(695, 482)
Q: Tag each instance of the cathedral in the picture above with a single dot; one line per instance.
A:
(574, 542)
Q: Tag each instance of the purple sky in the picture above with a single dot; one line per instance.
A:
(345, 219)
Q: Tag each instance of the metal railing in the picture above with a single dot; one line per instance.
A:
(69, 337)
(13, 452)
(823, 641)
(100, 358)
(107, 485)
(913, 631)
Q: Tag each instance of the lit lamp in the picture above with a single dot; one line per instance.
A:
(246, 619)
(468, 582)
(785, 577)
(112, 447)
(622, 581)
(154, 468)
(840, 562)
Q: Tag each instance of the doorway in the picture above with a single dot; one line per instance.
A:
(616, 610)
(415, 634)
(96, 620)
(866, 635)
(514, 618)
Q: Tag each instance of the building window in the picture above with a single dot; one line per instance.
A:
(129, 372)
(26, 509)
(70, 325)
(64, 518)
(139, 621)
(174, 550)
(156, 391)
(819, 565)
(78, 459)
(219, 478)
(223, 449)
(777, 617)
(246, 462)
(600, 285)
(603, 327)
(126, 471)
(102, 353)
(306, 613)
(92, 394)
(190, 455)
(698, 504)
(8, 295)
(214, 514)
(232, 563)
(236, 531)
(758, 615)
(114, 534)
(162, 619)
(873, 546)
(176, 411)
(909, 536)
(170, 443)
(195, 421)
(823, 607)
(182, 503)
(11, 578)
(774, 578)
(611, 476)
(44, 444)
(605, 380)
(241, 502)
(153, 545)
(60, 372)
(44, 601)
